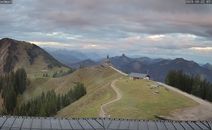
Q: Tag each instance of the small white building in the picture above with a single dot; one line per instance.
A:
(135, 76)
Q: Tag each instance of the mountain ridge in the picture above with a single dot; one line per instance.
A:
(158, 69)
(208, 66)
(84, 63)
(16, 54)
(70, 57)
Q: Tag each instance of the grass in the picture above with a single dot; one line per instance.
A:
(139, 99)
(97, 82)
(143, 101)
(38, 85)
(1, 103)
(32, 74)
(39, 67)
(89, 106)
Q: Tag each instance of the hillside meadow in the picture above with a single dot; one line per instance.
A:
(144, 99)
(141, 99)
(96, 80)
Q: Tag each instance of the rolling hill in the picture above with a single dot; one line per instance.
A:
(144, 99)
(96, 80)
(19, 54)
(139, 100)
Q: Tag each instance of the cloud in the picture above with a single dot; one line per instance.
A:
(55, 44)
(202, 49)
(132, 26)
(156, 37)
(161, 16)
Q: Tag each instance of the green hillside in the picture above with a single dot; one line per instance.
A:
(140, 99)
(143, 99)
(36, 61)
(96, 80)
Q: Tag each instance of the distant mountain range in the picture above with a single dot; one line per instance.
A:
(72, 58)
(16, 54)
(84, 63)
(158, 68)
(207, 66)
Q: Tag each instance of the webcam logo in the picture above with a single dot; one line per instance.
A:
(6, 1)
(198, 1)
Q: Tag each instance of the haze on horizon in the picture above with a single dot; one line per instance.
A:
(153, 28)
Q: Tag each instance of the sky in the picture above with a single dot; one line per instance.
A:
(153, 28)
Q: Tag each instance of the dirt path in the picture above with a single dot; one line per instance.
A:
(119, 71)
(118, 97)
(201, 112)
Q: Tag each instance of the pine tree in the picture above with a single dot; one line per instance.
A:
(20, 80)
(190, 84)
(9, 98)
(47, 104)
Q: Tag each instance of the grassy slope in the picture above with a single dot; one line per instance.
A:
(40, 61)
(97, 82)
(140, 100)
(1, 103)
(39, 68)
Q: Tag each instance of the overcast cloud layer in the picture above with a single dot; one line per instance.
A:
(154, 28)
